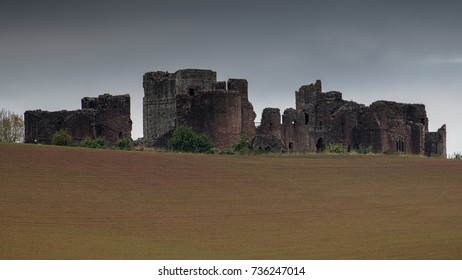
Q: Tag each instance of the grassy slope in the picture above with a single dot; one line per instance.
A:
(70, 203)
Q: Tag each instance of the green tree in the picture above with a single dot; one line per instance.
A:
(184, 139)
(11, 126)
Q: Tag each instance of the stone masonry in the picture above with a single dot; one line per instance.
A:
(221, 110)
(107, 116)
(324, 118)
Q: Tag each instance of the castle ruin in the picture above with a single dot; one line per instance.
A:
(191, 97)
(324, 118)
(222, 111)
(103, 116)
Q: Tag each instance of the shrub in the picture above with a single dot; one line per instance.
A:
(96, 143)
(364, 150)
(456, 156)
(244, 146)
(335, 149)
(125, 143)
(184, 139)
(62, 138)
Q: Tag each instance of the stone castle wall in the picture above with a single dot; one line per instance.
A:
(215, 113)
(324, 118)
(107, 116)
(192, 97)
(221, 110)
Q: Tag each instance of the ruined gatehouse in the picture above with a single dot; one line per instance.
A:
(222, 111)
(103, 116)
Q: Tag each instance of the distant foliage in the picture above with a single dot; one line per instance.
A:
(456, 156)
(244, 146)
(125, 143)
(335, 149)
(62, 138)
(364, 150)
(184, 139)
(94, 143)
(11, 127)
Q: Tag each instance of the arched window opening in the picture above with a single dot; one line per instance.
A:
(400, 145)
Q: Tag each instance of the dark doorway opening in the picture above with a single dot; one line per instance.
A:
(320, 147)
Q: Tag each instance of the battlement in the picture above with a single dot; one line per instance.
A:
(107, 102)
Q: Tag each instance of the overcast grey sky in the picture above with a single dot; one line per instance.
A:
(53, 53)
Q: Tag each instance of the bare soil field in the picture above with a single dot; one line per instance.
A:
(74, 203)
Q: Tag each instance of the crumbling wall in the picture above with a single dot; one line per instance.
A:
(291, 129)
(269, 133)
(41, 125)
(112, 115)
(435, 143)
(271, 122)
(107, 116)
(247, 112)
(385, 124)
(324, 118)
(195, 98)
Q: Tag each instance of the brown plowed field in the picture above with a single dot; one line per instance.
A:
(72, 203)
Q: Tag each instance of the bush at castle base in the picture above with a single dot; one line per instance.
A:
(62, 138)
(184, 139)
(125, 143)
(96, 143)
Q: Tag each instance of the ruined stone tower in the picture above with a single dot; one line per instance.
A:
(192, 97)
